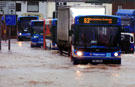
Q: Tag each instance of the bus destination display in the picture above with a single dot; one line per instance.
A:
(97, 20)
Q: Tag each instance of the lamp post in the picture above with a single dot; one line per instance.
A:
(9, 34)
(0, 26)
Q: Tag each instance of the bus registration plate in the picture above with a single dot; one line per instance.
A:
(97, 61)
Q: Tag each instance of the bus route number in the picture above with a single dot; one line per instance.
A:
(89, 20)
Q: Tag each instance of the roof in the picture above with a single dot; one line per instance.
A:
(37, 20)
(126, 12)
(98, 16)
(26, 16)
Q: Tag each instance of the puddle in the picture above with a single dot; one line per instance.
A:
(42, 82)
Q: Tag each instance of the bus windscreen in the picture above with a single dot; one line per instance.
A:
(89, 36)
(28, 18)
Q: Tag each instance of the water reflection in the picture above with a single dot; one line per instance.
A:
(99, 66)
(78, 74)
(101, 71)
(83, 66)
(115, 75)
(20, 43)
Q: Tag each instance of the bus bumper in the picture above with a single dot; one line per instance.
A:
(36, 44)
(86, 60)
(23, 38)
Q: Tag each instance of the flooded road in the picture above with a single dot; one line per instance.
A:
(24, 66)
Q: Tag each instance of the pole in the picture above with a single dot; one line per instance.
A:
(44, 41)
(1, 26)
(0, 31)
(9, 36)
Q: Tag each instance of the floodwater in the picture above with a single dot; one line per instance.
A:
(24, 66)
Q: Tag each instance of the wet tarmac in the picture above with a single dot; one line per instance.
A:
(24, 66)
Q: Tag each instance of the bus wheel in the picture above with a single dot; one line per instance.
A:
(32, 46)
(75, 62)
(20, 39)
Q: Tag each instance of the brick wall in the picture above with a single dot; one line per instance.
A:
(124, 4)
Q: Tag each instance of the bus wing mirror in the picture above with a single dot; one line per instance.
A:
(131, 39)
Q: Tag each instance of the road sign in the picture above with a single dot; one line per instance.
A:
(0, 30)
(10, 20)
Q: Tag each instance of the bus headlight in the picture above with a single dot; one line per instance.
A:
(116, 54)
(79, 53)
(35, 36)
(20, 34)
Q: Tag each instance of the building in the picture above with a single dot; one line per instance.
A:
(44, 8)
(24, 8)
(122, 4)
(7, 7)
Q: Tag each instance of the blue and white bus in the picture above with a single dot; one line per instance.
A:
(37, 33)
(127, 42)
(128, 29)
(96, 39)
(24, 31)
